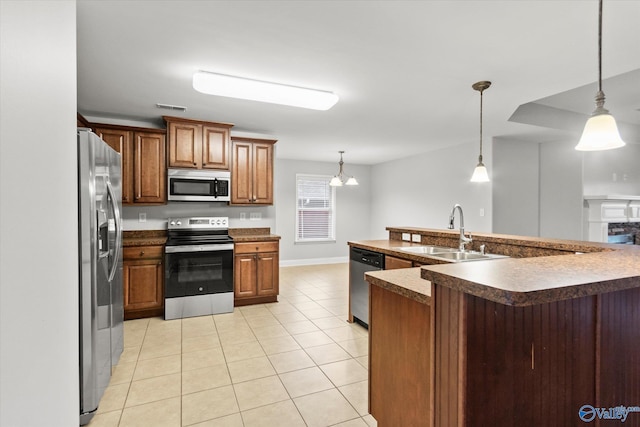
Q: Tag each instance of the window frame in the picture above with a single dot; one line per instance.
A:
(332, 210)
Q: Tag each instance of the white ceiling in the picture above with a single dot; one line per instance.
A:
(403, 69)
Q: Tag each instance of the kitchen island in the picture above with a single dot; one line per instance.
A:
(528, 340)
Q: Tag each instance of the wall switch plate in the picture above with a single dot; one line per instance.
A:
(481, 211)
(243, 216)
(406, 237)
(255, 216)
(142, 217)
(416, 238)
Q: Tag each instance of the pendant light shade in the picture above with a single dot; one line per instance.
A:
(339, 180)
(601, 130)
(480, 173)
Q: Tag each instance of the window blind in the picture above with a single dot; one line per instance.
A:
(315, 209)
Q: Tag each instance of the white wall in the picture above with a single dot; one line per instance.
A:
(537, 189)
(613, 171)
(516, 187)
(352, 212)
(38, 215)
(421, 190)
(561, 191)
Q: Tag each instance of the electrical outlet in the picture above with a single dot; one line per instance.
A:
(243, 216)
(416, 238)
(406, 237)
(481, 211)
(142, 217)
(254, 216)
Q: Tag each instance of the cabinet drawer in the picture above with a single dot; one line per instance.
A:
(142, 252)
(255, 247)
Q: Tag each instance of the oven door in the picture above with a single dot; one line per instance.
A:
(198, 270)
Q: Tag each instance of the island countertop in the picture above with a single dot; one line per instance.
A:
(538, 280)
(540, 270)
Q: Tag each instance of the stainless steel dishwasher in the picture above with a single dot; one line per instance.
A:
(361, 261)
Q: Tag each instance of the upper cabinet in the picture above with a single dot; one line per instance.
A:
(252, 171)
(195, 144)
(144, 165)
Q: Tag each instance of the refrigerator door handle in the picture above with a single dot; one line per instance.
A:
(118, 223)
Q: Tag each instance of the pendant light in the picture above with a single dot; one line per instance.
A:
(601, 131)
(338, 180)
(480, 173)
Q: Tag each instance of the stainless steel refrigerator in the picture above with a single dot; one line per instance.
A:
(100, 267)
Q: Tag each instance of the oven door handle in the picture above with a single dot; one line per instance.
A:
(198, 248)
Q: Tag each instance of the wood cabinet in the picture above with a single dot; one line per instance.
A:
(120, 139)
(252, 171)
(392, 263)
(143, 281)
(399, 360)
(144, 171)
(195, 144)
(256, 272)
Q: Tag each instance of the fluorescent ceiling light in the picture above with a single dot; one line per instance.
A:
(257, 90)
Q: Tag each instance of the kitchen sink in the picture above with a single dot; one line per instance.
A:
(459, 256)
(427, 250)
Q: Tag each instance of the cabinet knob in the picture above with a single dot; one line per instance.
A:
(141, 253)
(257, 248)
(195, 164)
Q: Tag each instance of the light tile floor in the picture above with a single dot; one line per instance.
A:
(292, 363)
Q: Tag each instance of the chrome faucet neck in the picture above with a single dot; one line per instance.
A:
(463, 239)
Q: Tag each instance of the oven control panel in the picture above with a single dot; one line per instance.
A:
(209, 223)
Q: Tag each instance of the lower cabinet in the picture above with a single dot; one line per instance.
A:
(256, 272)
(399, 360)
(143, 281)
(392, 263)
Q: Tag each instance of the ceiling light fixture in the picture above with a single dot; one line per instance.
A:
(338, 180)
(480, 172)
(258, 90)
(601, 131)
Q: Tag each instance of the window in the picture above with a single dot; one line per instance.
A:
(315, 209)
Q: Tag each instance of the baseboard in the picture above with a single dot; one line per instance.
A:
(313, 261)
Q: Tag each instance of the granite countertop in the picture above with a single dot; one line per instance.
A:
(404, 281)
(539, 280)
(144, 238)
(252, 235)
(522, 281)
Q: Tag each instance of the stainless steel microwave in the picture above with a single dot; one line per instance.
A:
(198, 185)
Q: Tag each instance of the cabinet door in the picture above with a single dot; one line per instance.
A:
(392, 263)
(185, 145)
(215, 148)
(241, 186)
(263, 174)
(267, 274)
(121, 141)
(143, 284)
(150, 181)
(244, 275)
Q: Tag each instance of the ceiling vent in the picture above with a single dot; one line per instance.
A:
(171, 107)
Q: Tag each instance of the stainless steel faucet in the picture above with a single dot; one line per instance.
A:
(463, 239)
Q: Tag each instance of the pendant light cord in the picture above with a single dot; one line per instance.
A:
(600, 47)
(480, 157)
